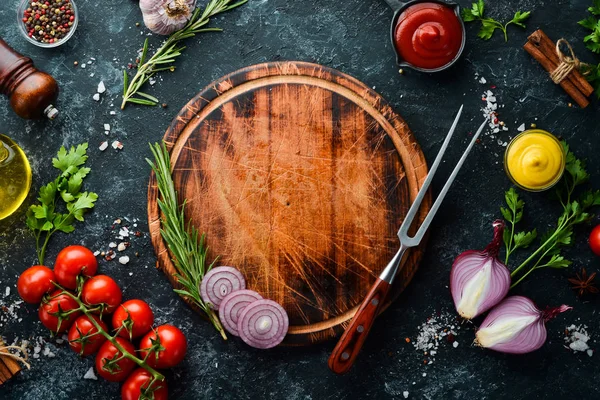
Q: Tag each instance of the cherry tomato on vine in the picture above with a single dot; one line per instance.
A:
(138, 381)
(171, 339)
(595, 240)
(72, 261)
(136, 315)
(114, 372)
(49, 308)
(84, 338)
(34, 283)
(102, 289)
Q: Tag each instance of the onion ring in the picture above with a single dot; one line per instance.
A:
(232, 306)
(218, 283)
(263, 324)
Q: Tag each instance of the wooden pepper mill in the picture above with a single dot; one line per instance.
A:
(32, 93)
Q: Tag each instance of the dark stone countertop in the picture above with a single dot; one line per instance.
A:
(352, 36)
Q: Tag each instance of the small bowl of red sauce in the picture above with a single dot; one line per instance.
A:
(428, 36)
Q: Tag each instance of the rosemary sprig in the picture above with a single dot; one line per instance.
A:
(183, 240)
(170, 49)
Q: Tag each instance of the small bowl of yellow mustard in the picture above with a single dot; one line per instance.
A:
(535, 160)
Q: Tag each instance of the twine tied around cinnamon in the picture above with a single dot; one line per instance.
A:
(567, 63)
(20, 355)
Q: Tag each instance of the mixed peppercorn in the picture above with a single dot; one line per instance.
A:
(49, 21)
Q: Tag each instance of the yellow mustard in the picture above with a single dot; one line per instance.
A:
(534, 160)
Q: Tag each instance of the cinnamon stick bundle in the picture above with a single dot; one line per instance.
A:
(543, 49)
(8, 366)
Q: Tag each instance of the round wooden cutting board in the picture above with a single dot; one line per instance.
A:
(300, 176)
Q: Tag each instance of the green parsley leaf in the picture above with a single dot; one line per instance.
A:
(489, 25)
(487, 29)
(69, 162)
(520, 17)
(595, 8)
(524, 239)
(46, 218)
(590, 22)
(558, 261)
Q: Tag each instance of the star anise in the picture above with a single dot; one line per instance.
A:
(584, 284)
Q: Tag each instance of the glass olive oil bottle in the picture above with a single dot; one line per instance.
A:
(15, 176)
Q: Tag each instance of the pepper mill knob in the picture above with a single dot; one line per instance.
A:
(32, 93)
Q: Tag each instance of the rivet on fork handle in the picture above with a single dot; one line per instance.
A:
(343, 356)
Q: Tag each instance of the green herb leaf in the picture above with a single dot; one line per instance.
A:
(524, 239)
(185, 243)
(71, 160)
(595, 8)
(171, 49)
(558, 261)
(520, 17)
(487, 29)
(45, 219)
(574, 212)
(489, 25)
(590, 22)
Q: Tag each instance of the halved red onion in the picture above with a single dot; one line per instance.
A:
(263, 324)
(218, 283)
(515, 326)
(478, 279)
(232, 306)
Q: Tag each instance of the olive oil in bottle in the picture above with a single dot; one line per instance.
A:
(15, 176)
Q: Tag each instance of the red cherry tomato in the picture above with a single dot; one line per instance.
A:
(122, 368)
(137, 317)
(34, 283)
(172, 340)
(73, 261)
(138, 380)
(595, 240)
(49, 308)
(102, 289)
(84, 337)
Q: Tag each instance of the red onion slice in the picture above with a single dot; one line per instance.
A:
(232, 306)
(218, 283)
(263, 324)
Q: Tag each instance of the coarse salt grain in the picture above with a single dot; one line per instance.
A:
(96, 97)
(124, 260)
(112, 245)
(405, 394)
(521, 128)
(101, 87)
(113, 113)
(7, 292)
(455, 344)
(90, 374)
(103, 146)
(107, 127)
(577, 338)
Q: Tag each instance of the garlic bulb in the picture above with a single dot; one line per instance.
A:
(166, 16)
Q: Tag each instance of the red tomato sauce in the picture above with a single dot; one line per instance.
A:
(428, 35)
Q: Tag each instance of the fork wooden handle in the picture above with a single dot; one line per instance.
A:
(345, 352)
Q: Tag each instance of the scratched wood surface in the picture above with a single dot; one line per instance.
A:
(300, 176)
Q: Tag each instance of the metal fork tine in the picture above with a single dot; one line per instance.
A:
(408, 219)
(446, 187)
